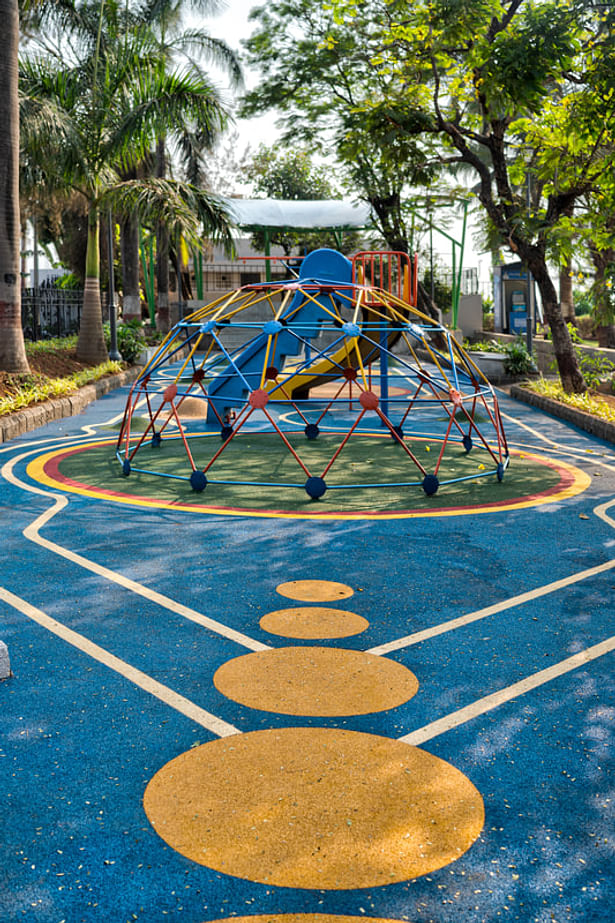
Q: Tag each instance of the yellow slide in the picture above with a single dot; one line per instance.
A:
(328, 369)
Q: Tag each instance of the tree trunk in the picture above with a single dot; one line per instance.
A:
(91, 346)
(566, 298)
(567, 362)
(162, 251)
(606, 336)
(129, 240)
(12, 348)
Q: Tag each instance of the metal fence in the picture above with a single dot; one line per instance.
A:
(50, 312)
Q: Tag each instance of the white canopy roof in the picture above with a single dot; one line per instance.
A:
(288, 213)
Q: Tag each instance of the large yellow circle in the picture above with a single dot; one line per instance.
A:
(315, 808)
(314, 591)
(316, 681)
(312, 622)
(306, 918)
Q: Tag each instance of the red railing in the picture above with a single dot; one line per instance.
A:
(391, 270)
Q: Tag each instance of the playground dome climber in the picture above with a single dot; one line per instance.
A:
(335, 357)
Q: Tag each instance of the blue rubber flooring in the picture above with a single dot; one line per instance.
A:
(79, 742)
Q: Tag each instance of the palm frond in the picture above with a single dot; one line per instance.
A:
(164, 104)
(181, 207)
(215, 51)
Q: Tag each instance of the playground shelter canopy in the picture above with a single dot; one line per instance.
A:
(338, 214)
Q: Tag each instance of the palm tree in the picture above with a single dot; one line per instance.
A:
(12, 348)
(164, 18)
(112, 98)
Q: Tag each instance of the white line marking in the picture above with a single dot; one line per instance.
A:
(462, 715)
(601, 513)
(530, 429)
(92, 428)
(142, 680)
(31, 533)
(502, 606)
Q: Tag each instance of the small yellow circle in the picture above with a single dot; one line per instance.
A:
(316, 681)
(313, 622)
(315, 808)
(315, 591)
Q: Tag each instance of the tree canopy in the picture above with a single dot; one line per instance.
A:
(521, 92)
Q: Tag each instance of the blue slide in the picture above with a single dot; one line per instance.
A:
(242, 373)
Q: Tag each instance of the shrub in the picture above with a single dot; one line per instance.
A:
(129, 340)
(594, 367)
(485, 346)
(575, 336)
(518, 360)
(585, 401)
(585, 326)
(583, 303)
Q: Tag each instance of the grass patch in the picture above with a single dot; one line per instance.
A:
(586, 402)
(264, 458)
(36, 348)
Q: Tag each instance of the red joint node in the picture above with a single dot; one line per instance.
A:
(350, 374)
(170, 392)
(455, 397)
(259, 399)
(369, 400)
(271, 373)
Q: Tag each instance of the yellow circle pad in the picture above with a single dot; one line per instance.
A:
(315, 591)
(313, 622)
(315, 808)
(316, 681)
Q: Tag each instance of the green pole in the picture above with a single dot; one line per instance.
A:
(147, 265)
(454, 298)
(197, 262)
(460, 268)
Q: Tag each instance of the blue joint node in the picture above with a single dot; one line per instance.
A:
(430, 484)
(315, 488)
(467, 444)
(351, 330)
(126, 469)
(416, 331)
(500, 471)
(397, 429)
(209, 327)
(198, 481)
(311, 431)
(225, 432)
(272, 327)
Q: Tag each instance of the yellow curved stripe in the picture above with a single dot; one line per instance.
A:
(581, 481)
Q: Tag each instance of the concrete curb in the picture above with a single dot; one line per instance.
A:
(585, 421)
(23, 421)
(5, 663)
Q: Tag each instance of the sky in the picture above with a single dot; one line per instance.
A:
(232, 25)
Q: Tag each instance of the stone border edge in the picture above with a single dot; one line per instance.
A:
(23, 421)
(585, 421)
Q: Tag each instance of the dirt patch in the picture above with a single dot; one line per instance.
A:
(606, 398)
(52, 363)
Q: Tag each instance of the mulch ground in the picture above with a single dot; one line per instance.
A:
(55, 363)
